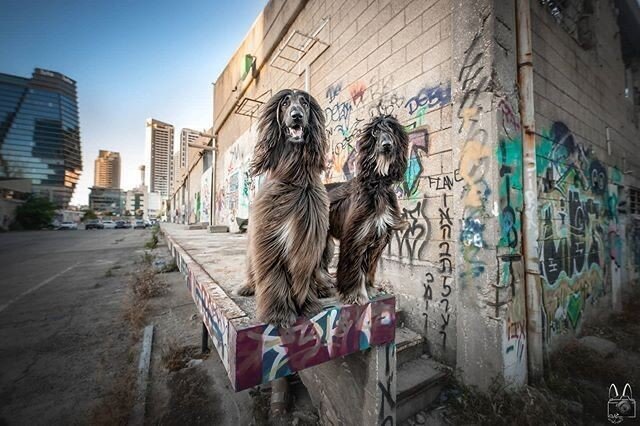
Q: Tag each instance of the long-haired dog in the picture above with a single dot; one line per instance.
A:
(289, 218)
(365, 211)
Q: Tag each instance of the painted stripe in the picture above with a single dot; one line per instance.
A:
(36, 287)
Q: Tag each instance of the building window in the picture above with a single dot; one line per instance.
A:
(575, 17)
(634, 200)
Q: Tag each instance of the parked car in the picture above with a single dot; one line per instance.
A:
(93, 224)
(67, 225)
(122, 224)
(139, 224)
(108, 224)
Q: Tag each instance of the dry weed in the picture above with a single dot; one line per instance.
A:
(175, 357)
(115, 407)
(146, 284)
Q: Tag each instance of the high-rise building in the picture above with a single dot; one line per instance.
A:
(40, 133)
(159, 156)
(107, 170)
(187, 136)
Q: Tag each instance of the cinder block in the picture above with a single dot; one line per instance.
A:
(405, 35)
(407, 72)
(436, 55)
(366, 15)
(436, 13)
(378, 55)
(445, 27)
(424, 42)
(392, 27)
(392, 63)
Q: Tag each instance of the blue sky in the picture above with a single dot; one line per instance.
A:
(131, 60)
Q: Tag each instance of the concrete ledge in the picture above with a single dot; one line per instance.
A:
(214, 229)
(252, 352)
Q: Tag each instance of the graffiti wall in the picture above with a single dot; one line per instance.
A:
(581, 240)
(509, 290)
(422, 253)
(235, 192)
(205, 195)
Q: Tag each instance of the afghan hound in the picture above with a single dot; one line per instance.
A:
(289, 218)
(364, 211)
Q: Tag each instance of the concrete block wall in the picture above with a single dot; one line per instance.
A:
(383, 57)
(587, 237)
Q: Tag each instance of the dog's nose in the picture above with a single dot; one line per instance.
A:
(385, 142)
(296, 114)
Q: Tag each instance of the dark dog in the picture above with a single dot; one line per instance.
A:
(364, 211)
(289, 218)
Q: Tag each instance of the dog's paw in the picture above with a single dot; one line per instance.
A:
(246, 290)
(311, 307)
(354, 299)
(284, 319)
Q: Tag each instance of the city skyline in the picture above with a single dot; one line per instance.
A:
(127, 66)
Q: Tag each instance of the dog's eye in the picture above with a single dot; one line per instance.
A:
(304, 102)
(376, 133)
(285, 103)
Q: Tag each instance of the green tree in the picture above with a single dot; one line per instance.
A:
(35, 213)
(88, 215)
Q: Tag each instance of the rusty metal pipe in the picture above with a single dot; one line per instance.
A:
(279, 396)
(535, 348)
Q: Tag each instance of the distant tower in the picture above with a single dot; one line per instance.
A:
(107, 170)
(40, 133)
(159, 156)
(141, 168)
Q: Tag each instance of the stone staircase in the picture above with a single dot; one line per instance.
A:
(420, 378)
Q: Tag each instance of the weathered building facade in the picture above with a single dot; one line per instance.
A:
(522, 188)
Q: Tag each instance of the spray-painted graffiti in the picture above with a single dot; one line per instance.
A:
(387, 384)
(429, 97)
(418, 141)
(446, 268)
(234, 196)
(265, 352)
(509, 155)
(411, 242)
(577, 226)
(205, 195)
(474, 159)
(333, 91)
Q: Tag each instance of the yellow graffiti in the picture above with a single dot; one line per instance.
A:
(473, 154)
(468, 114)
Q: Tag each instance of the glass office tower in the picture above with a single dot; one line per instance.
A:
(40, 133)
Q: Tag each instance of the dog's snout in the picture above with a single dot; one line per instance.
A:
(296, 114)
(385, 141)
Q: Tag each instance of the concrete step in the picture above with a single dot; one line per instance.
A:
(409, 345)
(194, 226)
(214, 229)
(418, 385)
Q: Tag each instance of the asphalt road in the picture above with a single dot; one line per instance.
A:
(61, 328)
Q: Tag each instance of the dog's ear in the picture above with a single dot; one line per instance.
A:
(399, 166)
(317, 134)
(267, 150)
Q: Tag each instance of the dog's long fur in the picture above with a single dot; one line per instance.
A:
(289, 218)
(365, 211)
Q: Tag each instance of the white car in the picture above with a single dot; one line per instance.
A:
(67, 225)
(138, 224)
(109, 224)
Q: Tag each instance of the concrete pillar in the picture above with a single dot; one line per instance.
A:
(491, 325)
(358, 389)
